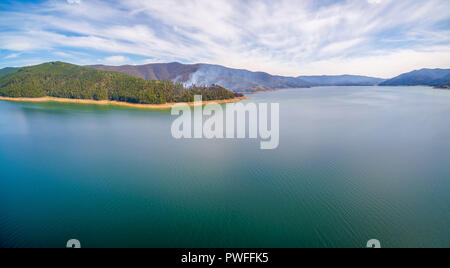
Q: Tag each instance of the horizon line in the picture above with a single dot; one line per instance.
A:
(239, 69)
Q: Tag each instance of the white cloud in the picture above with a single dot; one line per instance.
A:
(116, 60)
(338, 47)
(63, 54)
(383, 64)
(74, 2)
(287, 37)
(12, 56)
(374, 2)
(22, 42)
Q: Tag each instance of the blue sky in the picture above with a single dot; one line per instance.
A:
(381, 38)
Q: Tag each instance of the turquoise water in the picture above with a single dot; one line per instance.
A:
(353, 164)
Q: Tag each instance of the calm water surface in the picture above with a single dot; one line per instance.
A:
(353, 164)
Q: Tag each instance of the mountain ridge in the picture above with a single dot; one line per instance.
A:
(439, 78)
(64, 80)
(241, 80)
(8, 70)
(238, 80)
(153, 71)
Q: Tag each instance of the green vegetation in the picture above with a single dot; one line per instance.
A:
(63, 80)
(7, 71)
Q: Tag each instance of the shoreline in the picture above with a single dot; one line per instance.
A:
(117, 103)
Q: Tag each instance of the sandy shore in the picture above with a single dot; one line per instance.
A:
(116, 103)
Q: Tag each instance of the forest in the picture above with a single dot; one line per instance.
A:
(64, 80)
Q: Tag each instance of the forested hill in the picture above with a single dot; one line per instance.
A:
(439, 78)
(8, 70)
(63, 80)
(207, 74)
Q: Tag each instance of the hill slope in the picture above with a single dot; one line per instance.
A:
(342, 80)
(206, 74)
(243, 80)
(159, 71)
(63, 80)
(424, 77)
(7, 71)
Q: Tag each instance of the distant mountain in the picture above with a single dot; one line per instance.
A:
(246, 81)
(243, 80)
(8, 70)
(444, 82)
(64, 80)
(342, 80)
(158, 71)
(425, 77)
(206, 74)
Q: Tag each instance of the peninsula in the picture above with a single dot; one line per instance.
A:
(63, 82)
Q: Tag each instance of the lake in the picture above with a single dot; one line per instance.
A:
(354, 164)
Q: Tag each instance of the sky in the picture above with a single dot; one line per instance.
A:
(381, 38)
